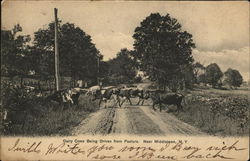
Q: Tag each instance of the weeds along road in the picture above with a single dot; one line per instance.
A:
(136, 120)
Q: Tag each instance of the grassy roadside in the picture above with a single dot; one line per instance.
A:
(217, 112)
(47, 118)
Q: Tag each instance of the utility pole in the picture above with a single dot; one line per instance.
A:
(98, 70)
(57, 76)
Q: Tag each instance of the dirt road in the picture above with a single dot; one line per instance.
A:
(138, 120)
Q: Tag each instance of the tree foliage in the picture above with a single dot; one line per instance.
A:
(213, 74)
(198, 69)
(162, 48)
(201, 78)
(233, 77)
(122, 68)
(14, 52)
(77, 54)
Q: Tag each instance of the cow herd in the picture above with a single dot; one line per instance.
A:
(119, 94)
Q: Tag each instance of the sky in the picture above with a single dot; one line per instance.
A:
(220, 29)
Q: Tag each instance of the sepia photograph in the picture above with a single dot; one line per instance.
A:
(155, 68)
(125, 68)
(124, 80)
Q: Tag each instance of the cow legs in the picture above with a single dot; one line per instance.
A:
(179, 107)
(139, 101)
(129, 100)
(105, 104)
(160, 107)
(122, 102)
(118, 100)
(126, 99)
(142, 102)
(100, 103)
(154, 106)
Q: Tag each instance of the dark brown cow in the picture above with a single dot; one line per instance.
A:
(161, 97)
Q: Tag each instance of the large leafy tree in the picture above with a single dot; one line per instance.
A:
(213, 74)
(122, 68)
(162, 48)
(233, 77)
(77, 54)
(14, 52)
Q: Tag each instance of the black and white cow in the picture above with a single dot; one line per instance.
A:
(66, 97)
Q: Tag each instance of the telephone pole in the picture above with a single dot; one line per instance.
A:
(57, 76)
(98, 68)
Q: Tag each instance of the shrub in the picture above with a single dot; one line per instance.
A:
(223, 115)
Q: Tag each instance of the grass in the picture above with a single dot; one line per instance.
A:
(48, 118)
(217, 112)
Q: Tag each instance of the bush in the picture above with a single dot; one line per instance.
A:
(28, 114)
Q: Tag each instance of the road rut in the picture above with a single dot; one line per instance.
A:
(134, 120)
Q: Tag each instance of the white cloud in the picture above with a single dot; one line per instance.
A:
(236, 59)
(117, 41)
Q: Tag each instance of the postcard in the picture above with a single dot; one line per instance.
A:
(124, 80)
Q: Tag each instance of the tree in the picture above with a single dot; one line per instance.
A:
(188, 76)
(201, 78)
(233, 77)
(213, 74)
(77, 54)
(14, 52)
(198, 69)
(122, 68)
(162, 48)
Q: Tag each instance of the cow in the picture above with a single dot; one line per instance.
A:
(73, 95)
(128, 93)
(65, 97)
(93, 90)
(59, 97)
(161, 97)
(123, 93)
(103, 94)
(143, 95)
(106, 94)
